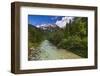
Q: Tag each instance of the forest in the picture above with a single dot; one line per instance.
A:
(74, 37)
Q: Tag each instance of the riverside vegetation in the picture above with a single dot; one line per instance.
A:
(72, 38)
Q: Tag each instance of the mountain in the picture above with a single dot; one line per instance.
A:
(30, 26)
(49, 27)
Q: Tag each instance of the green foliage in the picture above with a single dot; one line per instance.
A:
(73, 37)
(35, 36)
(56, 37)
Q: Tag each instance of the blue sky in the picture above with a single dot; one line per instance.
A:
(43, 19)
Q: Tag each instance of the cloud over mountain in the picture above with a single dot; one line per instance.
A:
(62, 23)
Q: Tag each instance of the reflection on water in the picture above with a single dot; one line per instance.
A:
(47, 51)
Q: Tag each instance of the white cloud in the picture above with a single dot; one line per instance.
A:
(62, 23)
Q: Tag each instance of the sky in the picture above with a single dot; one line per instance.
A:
(43, 20)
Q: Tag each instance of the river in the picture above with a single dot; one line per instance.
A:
(50, 52)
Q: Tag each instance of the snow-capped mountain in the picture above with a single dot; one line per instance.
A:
(50, 27)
